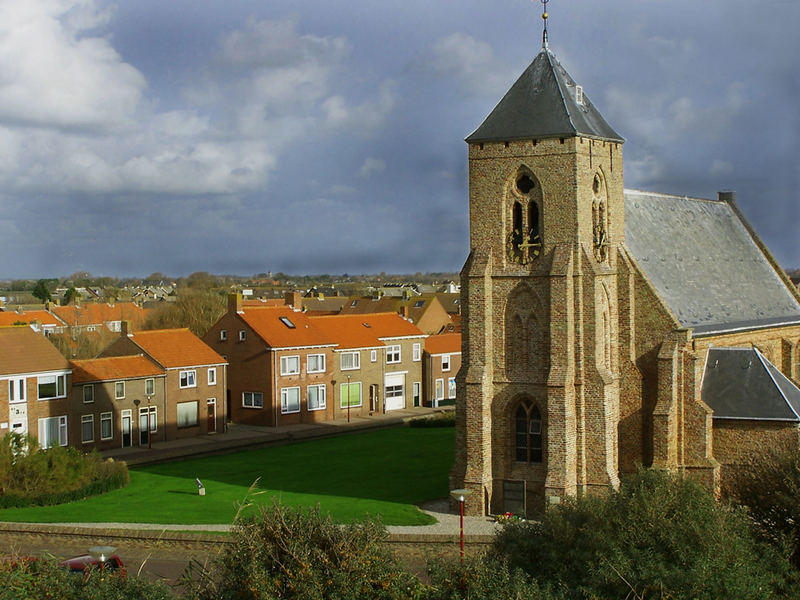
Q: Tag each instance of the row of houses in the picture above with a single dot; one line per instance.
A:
(258, 365)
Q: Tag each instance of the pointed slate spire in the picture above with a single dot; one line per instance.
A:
(544, 102)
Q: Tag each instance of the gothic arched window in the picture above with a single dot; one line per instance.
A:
(528, 433)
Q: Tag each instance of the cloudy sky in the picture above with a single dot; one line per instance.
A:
(314, 136)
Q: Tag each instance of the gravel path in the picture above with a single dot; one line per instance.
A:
(447, 524)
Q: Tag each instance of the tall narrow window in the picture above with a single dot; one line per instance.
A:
(528, 433)
(533, 221)
(517, 225)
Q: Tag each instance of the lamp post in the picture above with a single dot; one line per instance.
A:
(136, 403)
(149, 429)
(348, 398)
(460, 495)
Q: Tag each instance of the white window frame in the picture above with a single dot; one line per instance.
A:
(451, 388)
(19, 385)
(393, 354)
(320, 363)
(286, 367)
(322, 393)
(61, 428)
(249, 399)
(90, 388)
(416, 392)
(356, 358)
(107, 417)
(150, 383)
(84, 420)
(192, 409)
(153, 418)
(285, 392)
(212, 376)
(373, 356)
(446, 362)
(117, 395)
(60, 382)
(439, 389)
(188, 375)
(242, 335)
(416, 352)
(223, 335)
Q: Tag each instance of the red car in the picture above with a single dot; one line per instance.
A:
(87, 562)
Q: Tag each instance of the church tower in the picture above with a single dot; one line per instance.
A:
(539, 389)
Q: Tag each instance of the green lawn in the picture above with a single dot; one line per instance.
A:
(385, 472)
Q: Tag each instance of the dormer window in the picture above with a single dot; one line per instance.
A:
(287, 322)
(242, 335)
(579, 94)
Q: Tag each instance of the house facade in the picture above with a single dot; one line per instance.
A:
(117, 402)
(593, 315)
(442, 360)
(34, 387)
(194, 380)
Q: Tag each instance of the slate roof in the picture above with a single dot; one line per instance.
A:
(740, 383)
(542, 104)
(22, 350)
(705, 264)
(113, 368)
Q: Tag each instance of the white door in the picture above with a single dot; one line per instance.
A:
(18, 418)
(394, 394)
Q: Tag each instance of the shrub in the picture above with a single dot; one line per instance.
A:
(481, 578)
(447, 419)
(659, 536)
(301, 554)
(769, 487)
(30, 475)
(45, 578)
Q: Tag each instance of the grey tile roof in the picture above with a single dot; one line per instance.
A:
(740, 383)
(704, 264)
(542, 104)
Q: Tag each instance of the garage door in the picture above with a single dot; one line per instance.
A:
(395, 391)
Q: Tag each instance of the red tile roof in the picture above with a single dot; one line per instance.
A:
(113, 368)
(22, 350)
(95, 313)
(176, 348)
(12, 317)
(268, 324)
(445, 343)
(366, 330)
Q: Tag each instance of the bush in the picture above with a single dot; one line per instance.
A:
(481, 578)
(46, 578)
(301, 554)
(769, 487)
(30, 475)
(447, 419)
(659, 536)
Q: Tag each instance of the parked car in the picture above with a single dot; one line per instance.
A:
(96, 560)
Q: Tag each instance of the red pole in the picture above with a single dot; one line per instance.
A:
(461, 511)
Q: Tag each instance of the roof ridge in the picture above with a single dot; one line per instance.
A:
(552, 56)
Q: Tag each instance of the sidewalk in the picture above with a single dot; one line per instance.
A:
(241, 437)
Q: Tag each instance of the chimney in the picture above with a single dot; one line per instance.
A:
(404, 311)
(235, 303)
(728, 196)
(294, 299)
(125, 328)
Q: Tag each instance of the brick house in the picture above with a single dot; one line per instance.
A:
(377, 361)
(117, 402)
(424, 311)
(195, 381)
(280, 364)
(442, 360)
(596, 319)
(34, 383)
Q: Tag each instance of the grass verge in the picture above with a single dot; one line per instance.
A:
(381, 473)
